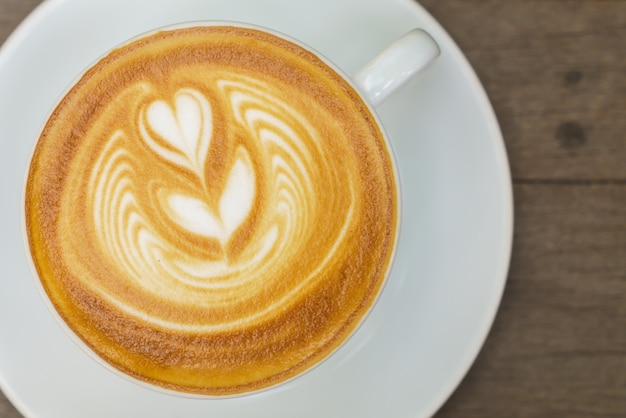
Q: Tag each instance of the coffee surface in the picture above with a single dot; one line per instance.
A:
(211, 210)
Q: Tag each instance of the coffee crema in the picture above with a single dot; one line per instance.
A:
(211, 210)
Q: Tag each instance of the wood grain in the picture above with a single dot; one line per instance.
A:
(558, 346)
(555, 71)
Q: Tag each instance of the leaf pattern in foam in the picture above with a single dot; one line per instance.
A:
(235, 204)
(238, 195)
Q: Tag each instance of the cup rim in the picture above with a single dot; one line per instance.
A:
(71, 334)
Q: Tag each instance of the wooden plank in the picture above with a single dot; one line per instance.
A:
(555, 71)
(6, 409)
(12, 12)
(558, 346)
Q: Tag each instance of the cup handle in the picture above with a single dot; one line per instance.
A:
(400, 61)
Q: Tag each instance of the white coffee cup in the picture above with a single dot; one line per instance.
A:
(375, 82)
(398, 63)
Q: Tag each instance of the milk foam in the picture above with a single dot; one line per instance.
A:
(235, 205)
(235, 209)
(178, 131)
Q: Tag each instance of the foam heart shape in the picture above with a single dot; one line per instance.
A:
(180, 133)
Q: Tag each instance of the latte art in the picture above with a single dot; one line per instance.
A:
(179, 136)
(211, 210)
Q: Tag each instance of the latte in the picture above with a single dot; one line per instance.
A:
(211, 210)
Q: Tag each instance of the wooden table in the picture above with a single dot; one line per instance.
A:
(555, 71)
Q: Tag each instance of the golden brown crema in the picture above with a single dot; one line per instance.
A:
(211, 210)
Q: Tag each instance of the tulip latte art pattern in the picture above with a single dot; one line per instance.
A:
(211, 210)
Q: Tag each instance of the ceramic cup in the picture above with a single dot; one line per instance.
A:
(88, 209)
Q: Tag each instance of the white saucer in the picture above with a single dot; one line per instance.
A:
(454, 250)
